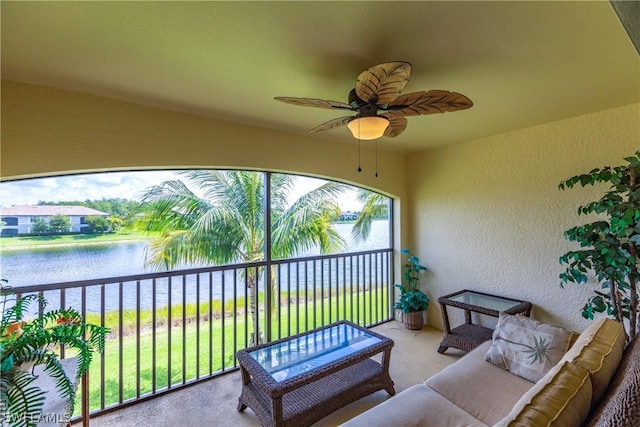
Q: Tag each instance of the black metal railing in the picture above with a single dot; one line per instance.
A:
(173, 329)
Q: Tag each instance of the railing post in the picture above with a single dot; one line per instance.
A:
(267, 256)
(85, 377)
(85, 399)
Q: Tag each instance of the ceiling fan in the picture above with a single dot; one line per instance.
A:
(379, 105)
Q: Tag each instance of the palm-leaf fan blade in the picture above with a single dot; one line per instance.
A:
(383, 83)
(397, 124)
(331, 124)
(431, 102)
(313, 102)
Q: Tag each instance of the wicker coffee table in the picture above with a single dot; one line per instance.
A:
(300, 379)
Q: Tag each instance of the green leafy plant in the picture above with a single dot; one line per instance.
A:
(411, 298)
(30, 342)
(609, 246)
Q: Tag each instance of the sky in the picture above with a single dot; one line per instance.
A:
(125, 185)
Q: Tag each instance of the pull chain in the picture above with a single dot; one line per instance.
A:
(376, 158)
(359, 142)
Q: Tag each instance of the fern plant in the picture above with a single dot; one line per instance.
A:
(34, 342)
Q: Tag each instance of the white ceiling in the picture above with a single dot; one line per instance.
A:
(521, 63)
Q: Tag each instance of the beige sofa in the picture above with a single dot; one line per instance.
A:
(593, 384)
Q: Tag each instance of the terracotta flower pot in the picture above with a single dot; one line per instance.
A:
(413, 320)
(13, 327)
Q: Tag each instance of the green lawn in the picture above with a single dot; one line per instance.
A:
(200, 355)
(29, 242)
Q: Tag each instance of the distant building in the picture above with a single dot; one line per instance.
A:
(19, 219)
(348, 216)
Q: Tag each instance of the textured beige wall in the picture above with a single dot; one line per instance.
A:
(487, 214)
(47, 130)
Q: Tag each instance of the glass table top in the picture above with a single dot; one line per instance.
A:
(485, 301)
(302, 354)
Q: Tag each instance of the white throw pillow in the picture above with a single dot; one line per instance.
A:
(526, 347)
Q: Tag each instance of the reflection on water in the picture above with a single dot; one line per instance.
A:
(69, 263)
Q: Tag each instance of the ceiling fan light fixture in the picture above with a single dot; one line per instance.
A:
(379, 90)
(368, 127)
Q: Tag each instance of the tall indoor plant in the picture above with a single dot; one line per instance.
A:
(609, 246)
(28, 342)
(413, 302)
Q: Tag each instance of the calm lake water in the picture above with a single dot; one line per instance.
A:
(71, 263)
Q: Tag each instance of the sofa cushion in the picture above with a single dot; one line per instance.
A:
(620, 405)
(481, 389)
(599, 350)
(417, 406)
(561, 398)
(526, 347)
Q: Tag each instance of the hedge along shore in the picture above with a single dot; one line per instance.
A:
(31, 242)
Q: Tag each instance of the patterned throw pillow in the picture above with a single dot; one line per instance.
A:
(526, 347)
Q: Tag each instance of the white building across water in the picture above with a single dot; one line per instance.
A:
(20, 219)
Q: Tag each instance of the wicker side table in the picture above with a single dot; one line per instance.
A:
(469, 335)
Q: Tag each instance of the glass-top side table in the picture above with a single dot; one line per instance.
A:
(469, 335)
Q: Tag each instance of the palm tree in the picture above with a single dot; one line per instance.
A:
(373, 205)
(221, 221)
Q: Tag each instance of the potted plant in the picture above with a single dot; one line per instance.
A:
(413, 302)
(610, 246)
(29, 342)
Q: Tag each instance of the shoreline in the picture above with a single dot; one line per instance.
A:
(64, 244)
